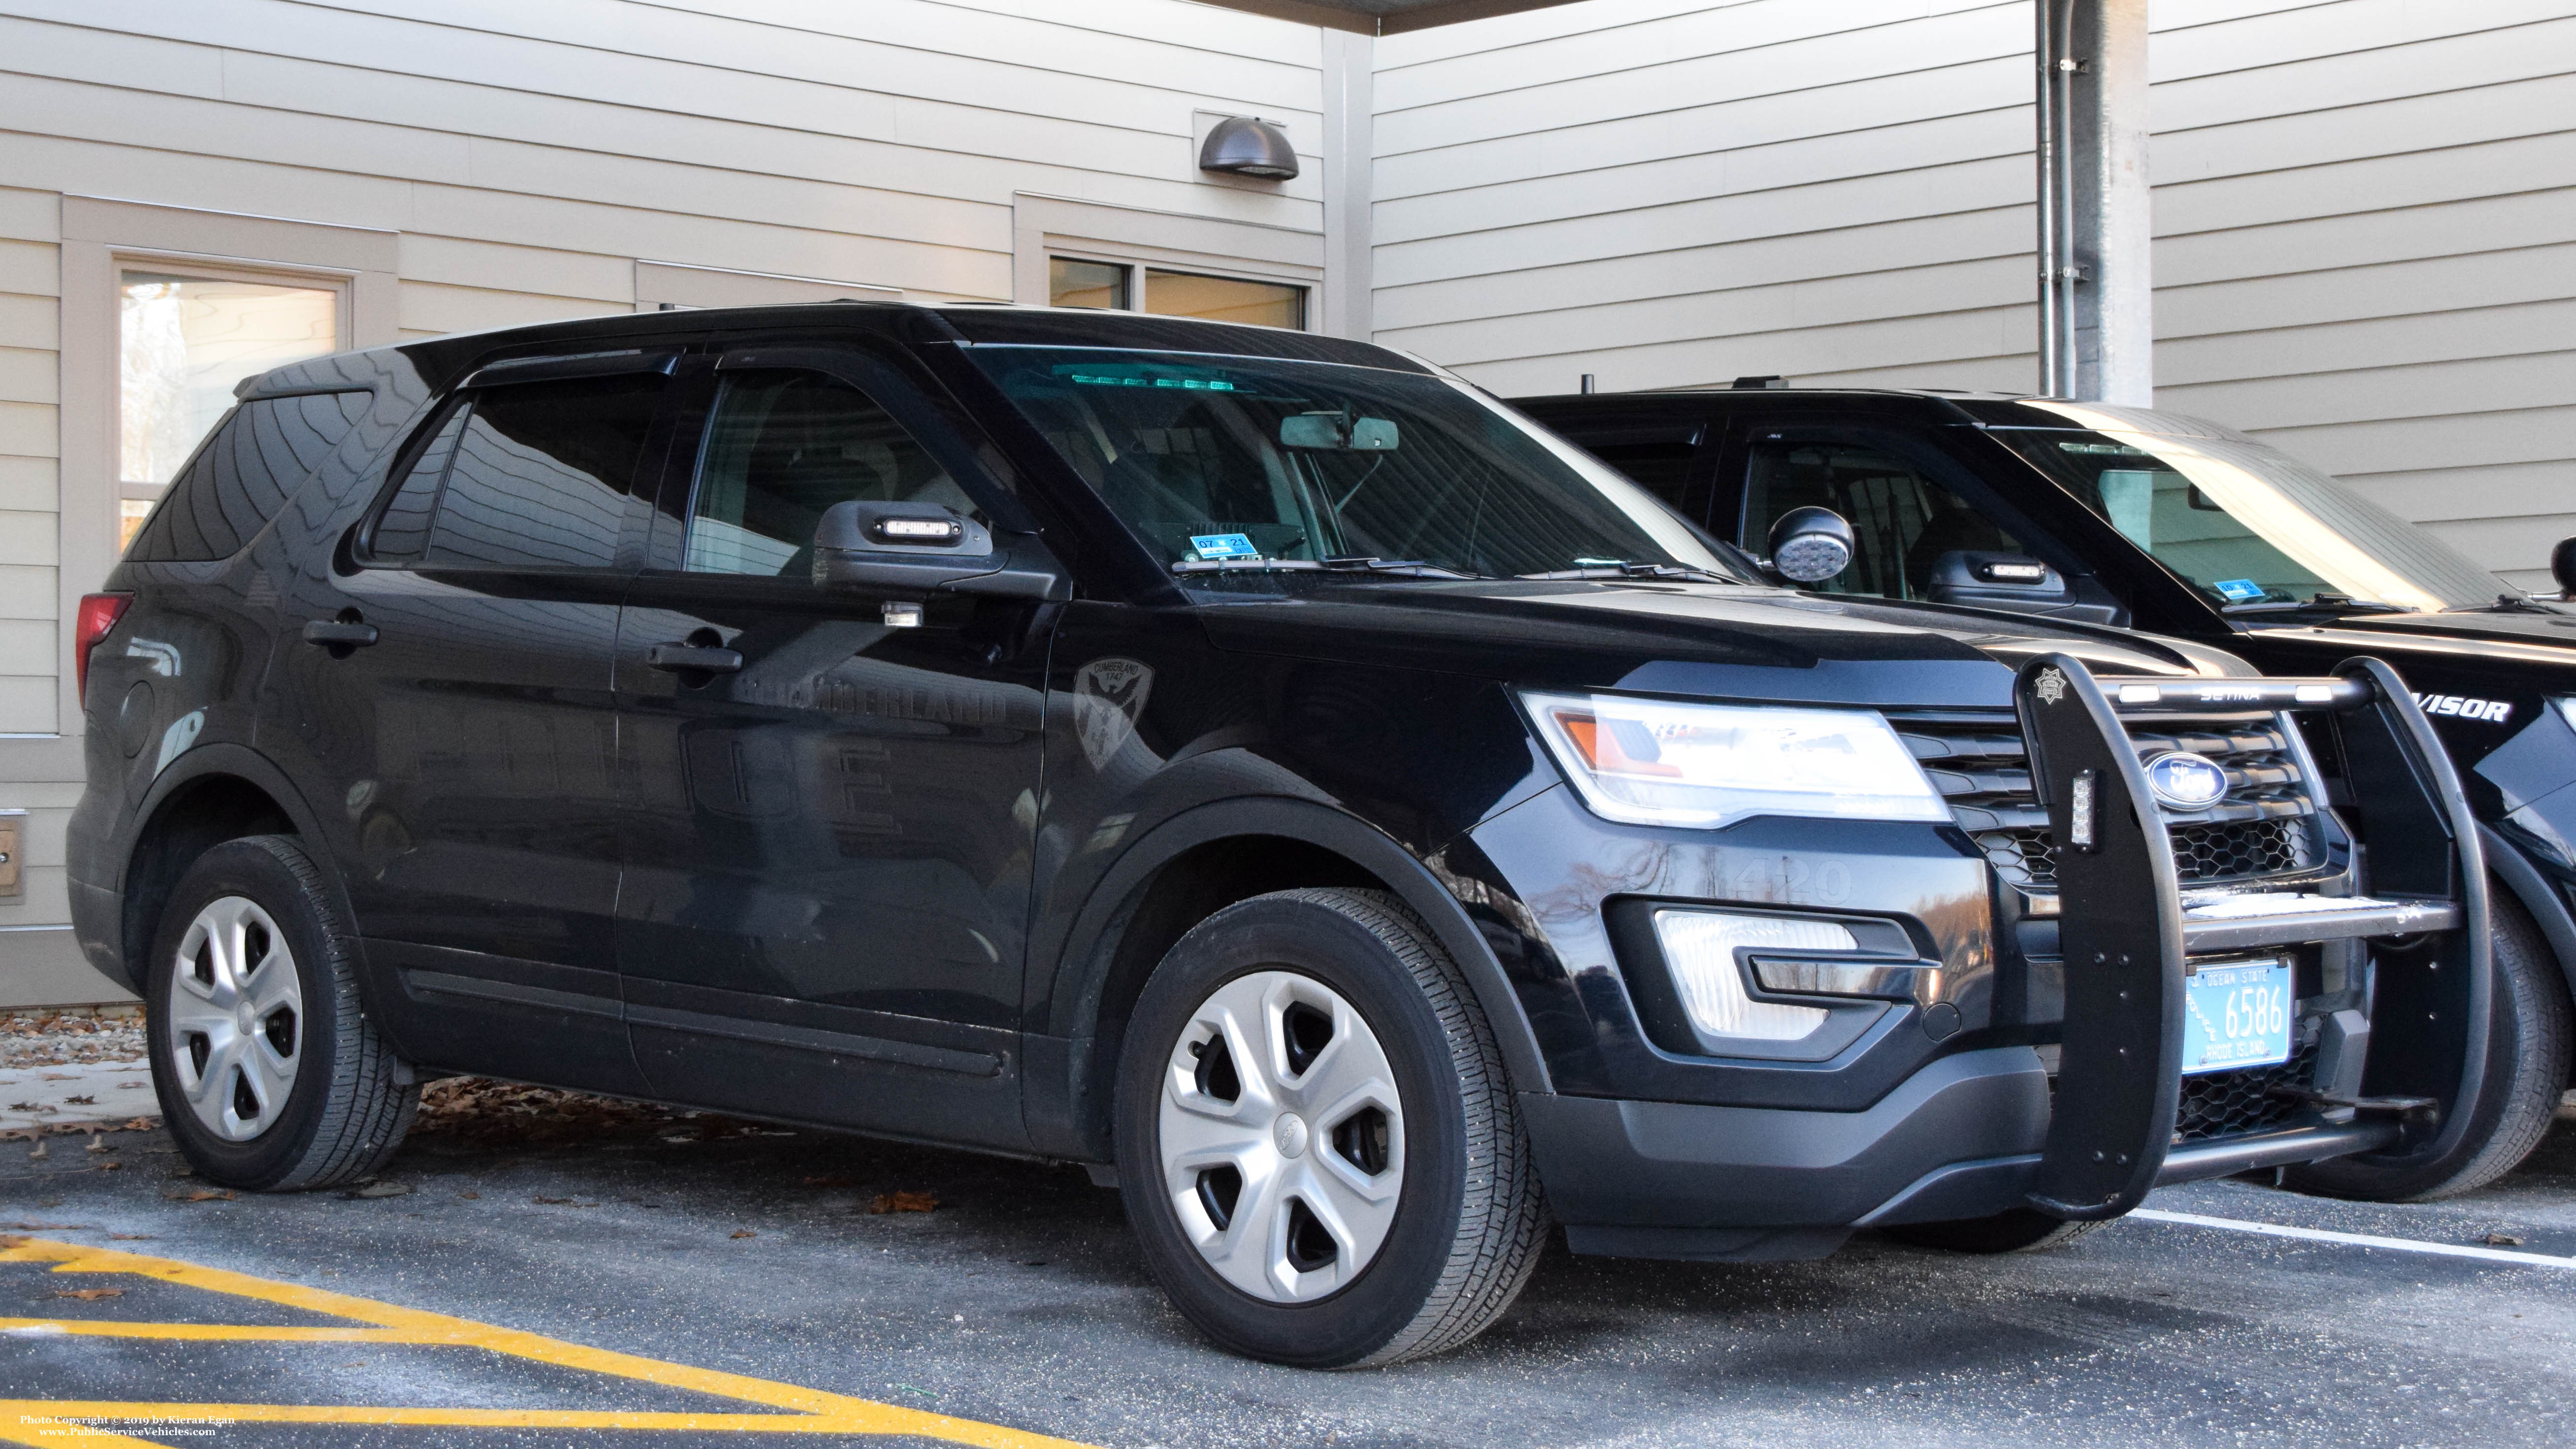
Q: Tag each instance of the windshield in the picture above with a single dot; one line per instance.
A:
(1220, 463)
(2247, 526)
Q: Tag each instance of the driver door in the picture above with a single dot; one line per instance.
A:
(833, 790)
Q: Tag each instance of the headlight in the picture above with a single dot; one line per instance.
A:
(1651, 762)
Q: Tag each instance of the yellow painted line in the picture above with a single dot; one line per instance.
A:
(808, 1411)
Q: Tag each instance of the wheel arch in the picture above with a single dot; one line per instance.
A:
(214, 793)
(1209, 857)
(2531, 890)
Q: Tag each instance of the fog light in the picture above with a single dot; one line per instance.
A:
(1700, 948)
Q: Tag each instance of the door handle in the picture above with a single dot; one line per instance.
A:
(705, 659)
(340, 635)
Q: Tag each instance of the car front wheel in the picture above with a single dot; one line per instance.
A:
(1319, 1147)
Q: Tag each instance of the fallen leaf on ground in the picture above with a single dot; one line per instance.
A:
(382, 1189)
(60, 1077)
(131, 1237)
(32, 1107)
(904, 1202)
(109, 1166)
(81, 1101)
(142, 1124)
(745, 1233)
(2503, 1240)
(87, 1294)
(95, 1145)
(203, 1194)
(469, 1194)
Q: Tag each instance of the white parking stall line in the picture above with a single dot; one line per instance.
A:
(2356, 1240)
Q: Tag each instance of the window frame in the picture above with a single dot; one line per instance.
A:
(1140, 268)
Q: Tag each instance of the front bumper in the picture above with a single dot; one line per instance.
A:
(1945, 1109)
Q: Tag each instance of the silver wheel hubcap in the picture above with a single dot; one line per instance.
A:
(236, 1019)
(1281, 1136)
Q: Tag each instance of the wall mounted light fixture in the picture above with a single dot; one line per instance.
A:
(1248, 146)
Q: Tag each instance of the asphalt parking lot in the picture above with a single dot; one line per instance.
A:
(618, 1276)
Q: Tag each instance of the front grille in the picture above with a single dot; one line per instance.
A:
(2222, 1104)
(2261, 829)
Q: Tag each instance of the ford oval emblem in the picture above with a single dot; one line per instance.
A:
(2186, 781)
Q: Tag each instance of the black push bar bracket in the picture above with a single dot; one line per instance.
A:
(2125, 931)
(2120, 928)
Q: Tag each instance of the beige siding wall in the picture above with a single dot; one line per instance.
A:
(2365, 217)
(526, 156)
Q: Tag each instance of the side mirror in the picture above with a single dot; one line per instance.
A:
(1811, 545)
(911, 550)
(2562, 567)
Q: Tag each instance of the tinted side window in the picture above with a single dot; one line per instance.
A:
(1661, 468)
(254, 461)
(1904, 521)
(780, 449)
(532, 475)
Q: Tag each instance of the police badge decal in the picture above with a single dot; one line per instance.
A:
(2051, 685)
(1108, 697)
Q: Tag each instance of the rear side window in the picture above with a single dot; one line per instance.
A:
(254, 461)
(530, 475)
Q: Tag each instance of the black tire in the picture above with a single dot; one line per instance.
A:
(1469, 1219)
(350, 1100)
(2017, 1230)
(2528, 1041)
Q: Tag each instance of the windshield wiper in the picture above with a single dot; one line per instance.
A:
(2318, 604)
(1389, 568)
(1628, 569)
(2513, 604)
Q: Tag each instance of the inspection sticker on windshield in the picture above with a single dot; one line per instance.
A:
(2236, 1015)
(2239, 591)
(1223, 545)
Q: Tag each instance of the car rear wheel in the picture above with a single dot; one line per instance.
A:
(2528, 1040)
(1319, 1147)
(269, 1075)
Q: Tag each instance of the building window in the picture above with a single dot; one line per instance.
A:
(184, 340)
(1073, 282)
(1079, 282)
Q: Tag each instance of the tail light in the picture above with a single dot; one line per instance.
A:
(97, 618)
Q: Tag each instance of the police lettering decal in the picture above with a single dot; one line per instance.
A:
(2492, 711)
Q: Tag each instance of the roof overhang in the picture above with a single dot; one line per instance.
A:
(1382, 17)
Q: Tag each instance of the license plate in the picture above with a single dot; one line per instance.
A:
(2236, 1015)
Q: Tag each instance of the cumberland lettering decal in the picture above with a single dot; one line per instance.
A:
(2492, 711)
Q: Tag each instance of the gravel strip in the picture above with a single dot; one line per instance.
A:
(57, 1038)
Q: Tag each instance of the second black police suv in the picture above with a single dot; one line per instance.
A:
(1256, 765)
(2175, 524)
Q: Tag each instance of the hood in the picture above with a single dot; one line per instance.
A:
(2507, 636)
(1705, 640)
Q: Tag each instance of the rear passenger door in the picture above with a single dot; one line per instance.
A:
(453, 688)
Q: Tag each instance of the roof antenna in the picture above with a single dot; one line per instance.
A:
(1587, 382)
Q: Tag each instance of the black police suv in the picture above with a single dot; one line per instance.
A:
(1256, 765)
(2181, 526)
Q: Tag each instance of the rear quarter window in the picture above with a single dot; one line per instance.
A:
(247, 468)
